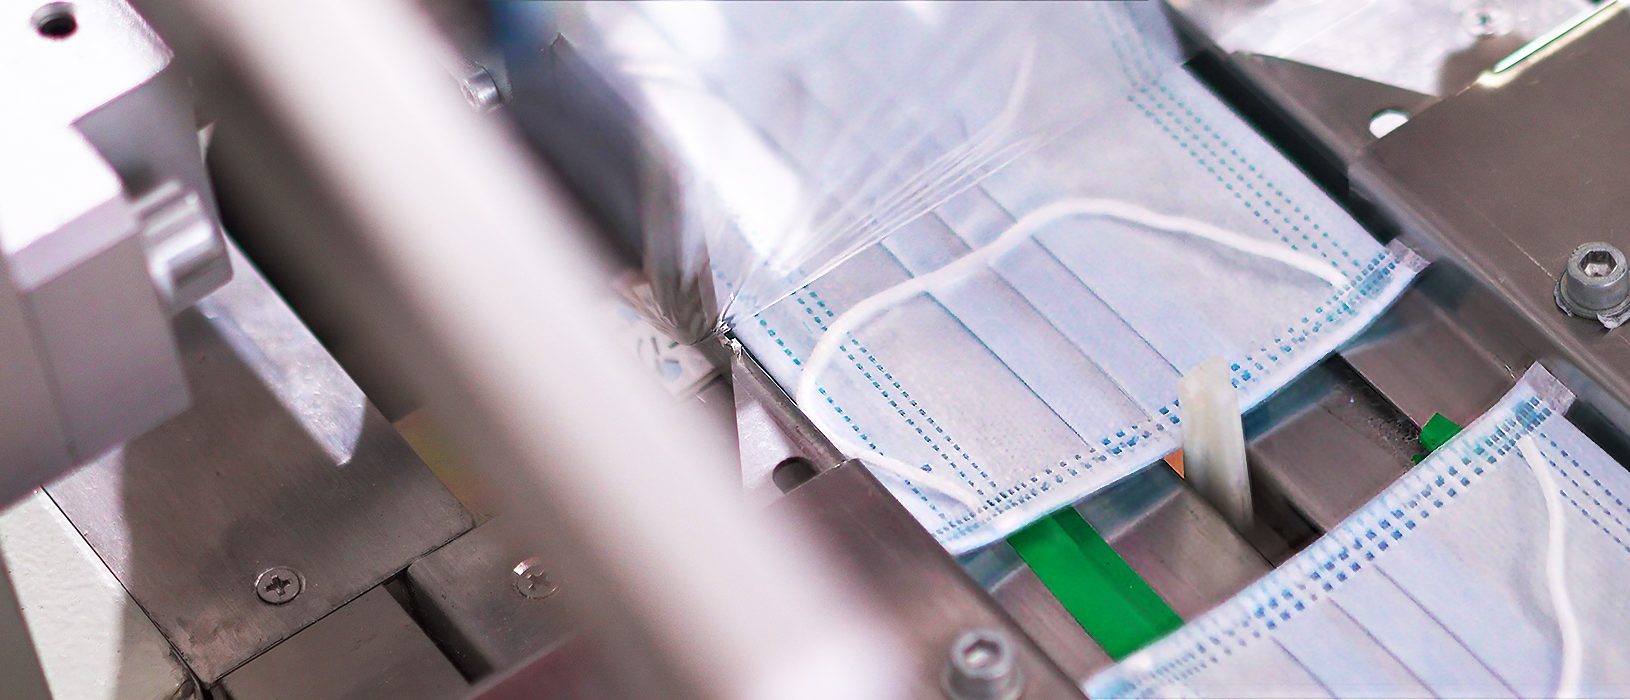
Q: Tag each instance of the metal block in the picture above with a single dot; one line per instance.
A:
(1165, 532)
(1442, 350)
(928, 598)
(570, 671)
(109, 391)
(1185, 551)
(59, 79)
(1434, 47)
(280, 461)
(1041, 616)
(1328, 443)
(369, 648)
(770, 429)
(102, 121)
(36, 448)
(474, 603)
(93, 642)
(1501, 183)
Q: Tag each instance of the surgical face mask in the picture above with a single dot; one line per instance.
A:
(1488, 570)
(1018, 347)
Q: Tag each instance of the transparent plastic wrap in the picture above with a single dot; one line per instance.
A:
(1018, 347)
(980, 243)
(799, 134)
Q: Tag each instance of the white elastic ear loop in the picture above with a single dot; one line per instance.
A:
(826, 348)
(938, 482)
(1567, 621)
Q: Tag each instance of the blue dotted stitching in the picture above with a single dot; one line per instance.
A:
(1599, 509)
(904, 394)
(1130, 55)
(1374, 529)
(765, 324)
(1282, 349)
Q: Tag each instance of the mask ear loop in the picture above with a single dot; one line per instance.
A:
(826, 349)
(910, 476)
(1567, 621)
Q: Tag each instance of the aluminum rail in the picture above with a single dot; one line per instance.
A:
(450, 249)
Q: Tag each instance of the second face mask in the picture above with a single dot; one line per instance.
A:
(1489, 570)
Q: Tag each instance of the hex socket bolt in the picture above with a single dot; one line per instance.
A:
(983, 666)
(1596, 284)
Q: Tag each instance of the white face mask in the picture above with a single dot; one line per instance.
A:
(1018, 348)
(1488, 570)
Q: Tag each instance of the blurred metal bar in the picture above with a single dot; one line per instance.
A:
(928, 594)
(470, 598)
(428, 223)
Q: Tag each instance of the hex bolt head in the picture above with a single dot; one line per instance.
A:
(532, 581)
(1596, 284)
(983, 666)
(479, 87)
(279, 585)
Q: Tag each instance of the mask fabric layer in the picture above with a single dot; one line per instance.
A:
(1485, 571)
(1018, 347)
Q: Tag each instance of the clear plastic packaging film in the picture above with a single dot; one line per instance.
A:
(1486, 571)
(802, 133)
(979, 243)
(1018, 348)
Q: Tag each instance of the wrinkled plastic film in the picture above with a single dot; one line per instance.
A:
(1018, 347)
(801, 134)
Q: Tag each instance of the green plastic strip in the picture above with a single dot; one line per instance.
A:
(1437, 432)
(1104, 595)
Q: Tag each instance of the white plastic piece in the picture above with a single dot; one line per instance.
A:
(1214, 441)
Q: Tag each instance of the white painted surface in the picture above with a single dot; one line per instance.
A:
(93, 641)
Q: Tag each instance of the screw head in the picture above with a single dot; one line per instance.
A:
(1596, 284)
(279, 585)
(532, 581)
(479, 88)
(983, 666)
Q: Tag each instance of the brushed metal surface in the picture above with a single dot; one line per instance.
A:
(1433, 47)
(926, 595)
(1041, 616)
(369, 649)
(1500, 183)
(280, 461)
(465, 595)
(1167, 533)
(1433, 352)
(1328, 443)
